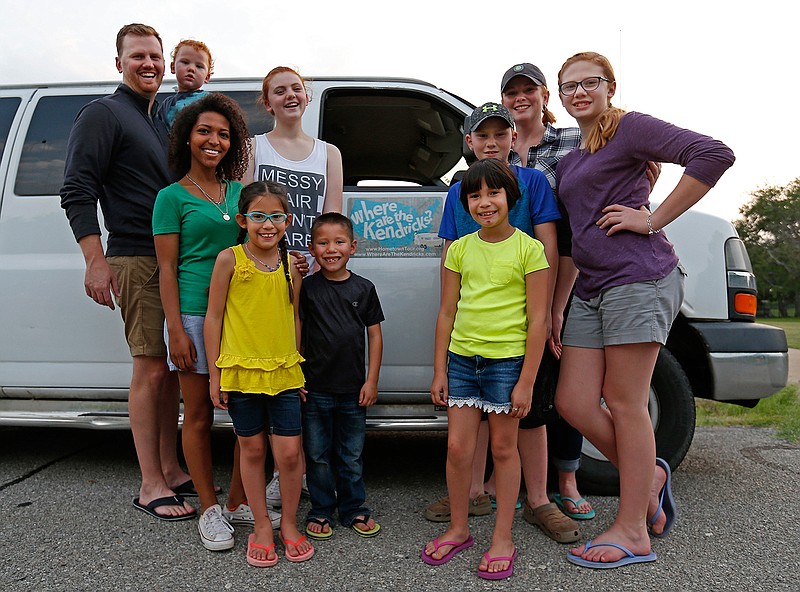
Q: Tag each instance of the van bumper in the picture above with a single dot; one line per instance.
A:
(747, 360)
(38, 408)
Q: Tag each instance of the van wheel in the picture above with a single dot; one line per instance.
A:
(672, 412)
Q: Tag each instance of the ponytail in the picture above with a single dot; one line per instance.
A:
(284, 253)
(604, 128)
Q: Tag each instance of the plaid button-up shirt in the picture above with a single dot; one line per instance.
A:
(556, 142)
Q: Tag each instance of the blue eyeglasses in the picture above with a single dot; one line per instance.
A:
(261, 217)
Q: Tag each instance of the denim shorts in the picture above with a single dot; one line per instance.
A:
(253, 413)
(642, 312)
(483, 383)
(193, 325)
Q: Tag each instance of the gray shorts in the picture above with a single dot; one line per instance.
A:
(193, 325)
(634, 313)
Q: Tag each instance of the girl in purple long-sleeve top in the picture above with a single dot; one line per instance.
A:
(628, 292)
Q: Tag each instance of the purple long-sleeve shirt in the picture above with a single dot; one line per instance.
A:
(615, 174)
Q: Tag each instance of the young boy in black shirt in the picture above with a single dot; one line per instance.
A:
(336, 305)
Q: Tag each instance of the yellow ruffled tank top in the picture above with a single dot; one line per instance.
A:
(258, 352)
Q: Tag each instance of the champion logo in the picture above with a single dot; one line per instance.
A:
(355, 304)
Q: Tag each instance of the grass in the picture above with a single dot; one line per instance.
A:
(781, 411)
(791, 325)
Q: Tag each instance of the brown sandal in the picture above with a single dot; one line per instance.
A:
(552, 522)
(439, 511)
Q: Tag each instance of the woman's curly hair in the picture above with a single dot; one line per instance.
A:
(234, 164)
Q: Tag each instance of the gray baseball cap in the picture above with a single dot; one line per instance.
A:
(484, 112)
(527, 70)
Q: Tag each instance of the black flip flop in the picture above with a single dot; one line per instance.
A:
(367, 534)
(319, 536)
(187, 489)
(173, 500)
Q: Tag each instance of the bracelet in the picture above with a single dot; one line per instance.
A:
(650, 229)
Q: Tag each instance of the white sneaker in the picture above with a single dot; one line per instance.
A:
(216, 533)
(244, 515)
(274, 492)
(274, 517)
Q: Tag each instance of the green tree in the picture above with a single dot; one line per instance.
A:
(770, 227)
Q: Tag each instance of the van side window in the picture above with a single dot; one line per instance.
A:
(258, 120)
(255, 116)
(396, 138)
(41, 163)
(8, 108)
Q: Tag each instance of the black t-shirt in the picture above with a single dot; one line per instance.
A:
(335, 316)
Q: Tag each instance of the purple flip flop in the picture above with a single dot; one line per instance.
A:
(666, 502)
(456, 549)
(629, 558)
(498, 575)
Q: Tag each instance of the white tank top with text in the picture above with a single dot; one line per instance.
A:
(305, 179)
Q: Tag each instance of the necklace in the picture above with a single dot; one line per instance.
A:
(269, 267)
(225, 215)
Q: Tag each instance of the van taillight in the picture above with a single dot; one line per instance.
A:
(745, 304)
(742, 293)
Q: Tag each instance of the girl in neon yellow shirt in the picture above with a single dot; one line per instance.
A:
(490, 334)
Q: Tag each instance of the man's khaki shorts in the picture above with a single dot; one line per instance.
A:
(140, 304)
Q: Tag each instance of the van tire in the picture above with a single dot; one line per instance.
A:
(672, 405)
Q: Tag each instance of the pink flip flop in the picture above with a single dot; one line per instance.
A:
(498, 575)
(260, 562)
(301, 556)
(430, 560)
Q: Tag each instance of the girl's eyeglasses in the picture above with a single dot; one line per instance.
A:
(588, 84)
(260, 217)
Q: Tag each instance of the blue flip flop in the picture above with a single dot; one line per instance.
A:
(559, 500)
(517, 506)
(629, 558)
(666, 502)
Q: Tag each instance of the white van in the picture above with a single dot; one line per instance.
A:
(63, 359)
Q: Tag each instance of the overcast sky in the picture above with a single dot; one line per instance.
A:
(729, 71)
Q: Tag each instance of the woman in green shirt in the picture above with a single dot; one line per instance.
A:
(193, 220)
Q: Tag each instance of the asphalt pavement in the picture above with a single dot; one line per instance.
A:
(68, 524)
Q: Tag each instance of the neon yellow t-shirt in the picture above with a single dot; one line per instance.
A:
(492, 320)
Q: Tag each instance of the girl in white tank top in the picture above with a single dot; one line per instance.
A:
(311, 169)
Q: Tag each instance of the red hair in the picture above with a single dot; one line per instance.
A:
(272, 74)
(197, 46)
(606, 125)
(136, 30)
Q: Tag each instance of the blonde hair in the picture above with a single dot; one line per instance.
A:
(606, 125)
(547, 115)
